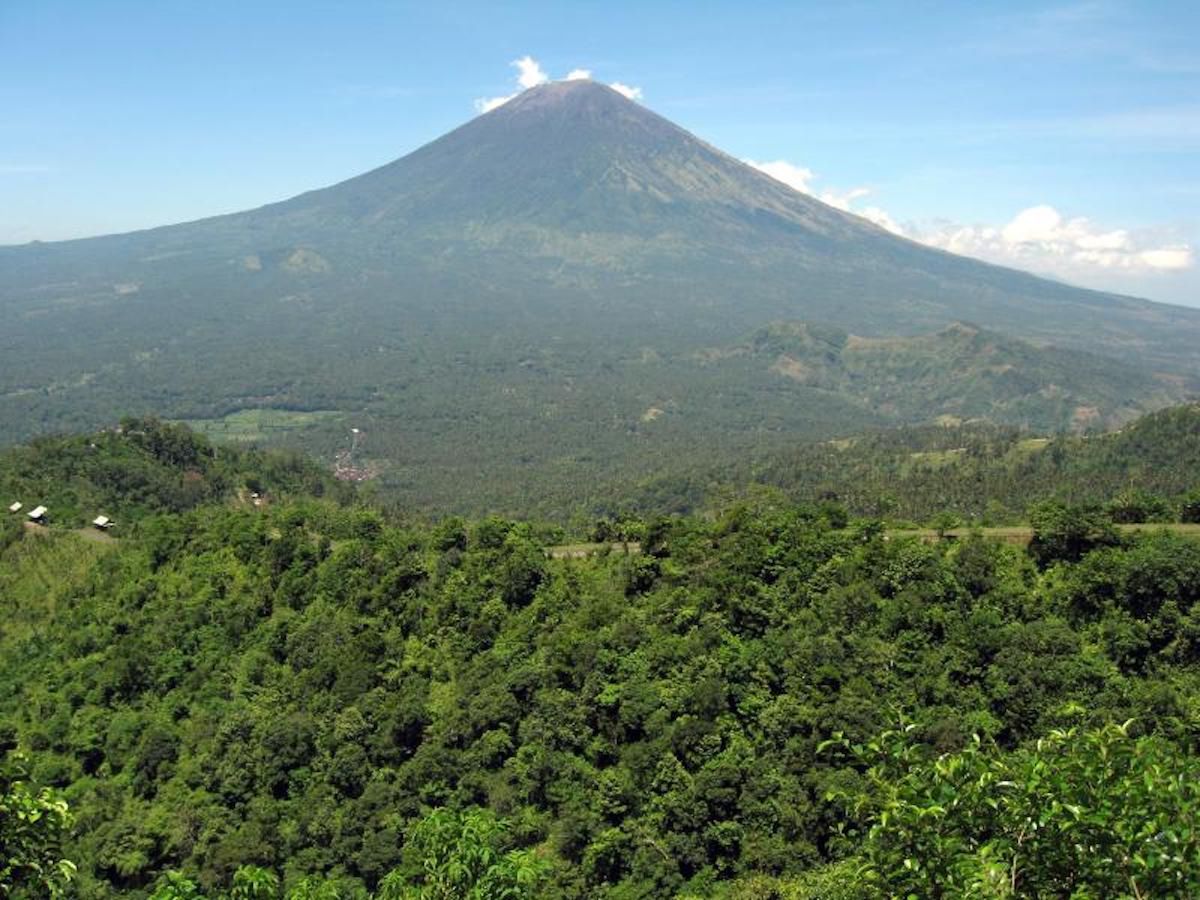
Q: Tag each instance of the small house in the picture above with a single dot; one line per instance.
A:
(15, 506)
(38, 514)
(102, 522)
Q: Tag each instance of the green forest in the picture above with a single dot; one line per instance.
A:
(977, 473)
(262, 684)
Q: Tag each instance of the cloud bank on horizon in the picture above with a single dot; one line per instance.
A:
(530, 74)
(1039, 238)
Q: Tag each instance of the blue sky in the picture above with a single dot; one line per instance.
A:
(1063, 138)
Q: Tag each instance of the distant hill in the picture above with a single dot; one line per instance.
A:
(146, 467)
(503, 310)
(958, 373)
(979, 472)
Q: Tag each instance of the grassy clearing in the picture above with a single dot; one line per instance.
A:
(580, 551)
(937, 459)
(41, 571)
(1013, 534)
(1030, 445)
(247, 426)
(1022, 534)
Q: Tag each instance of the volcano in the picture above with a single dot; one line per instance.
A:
(569, 254)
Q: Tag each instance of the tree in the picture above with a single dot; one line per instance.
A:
(1093, 813)
(1189, 507)
(1134, 505)
(254, 883)
(33, 823)
(945, 522)
(174, 886)
(459, 856)
(1063, 533)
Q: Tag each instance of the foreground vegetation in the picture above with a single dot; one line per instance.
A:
(312, 698)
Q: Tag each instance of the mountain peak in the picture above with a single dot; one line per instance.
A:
(584, 103)
(576, 90)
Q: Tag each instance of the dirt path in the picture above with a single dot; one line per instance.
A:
(96, 536)
(1012, 534)
(1023, 534)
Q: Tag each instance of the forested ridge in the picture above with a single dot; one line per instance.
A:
(979, 472)
(317, 697)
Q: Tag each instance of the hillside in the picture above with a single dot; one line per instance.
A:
(960, 373)
(502, 308)
(978, 472)
(145, 467)
(297, 686)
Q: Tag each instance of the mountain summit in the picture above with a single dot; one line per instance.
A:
(572, 186)
(581, 159)
(504, 282)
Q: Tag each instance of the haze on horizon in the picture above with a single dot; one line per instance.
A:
(1058, 138)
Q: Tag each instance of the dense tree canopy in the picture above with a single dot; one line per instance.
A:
(315, 698)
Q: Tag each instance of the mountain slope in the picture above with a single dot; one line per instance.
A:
(502, 294)
(571, 185)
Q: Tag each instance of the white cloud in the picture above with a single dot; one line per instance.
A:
(800, 178)
(631, 93)
(1041, 239)
(794, 176)
(1035, 225)
(881, 218)
(1112, 240)
(487, 104)
(1168, 258)
(842, 201)
(531, 74)
(1038, 238)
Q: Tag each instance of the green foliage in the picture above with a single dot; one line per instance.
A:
(33, 825)
(451, 856)
(1079, 813)
(1136, 505)
(837, 881)
(141, 468)
(1189, 507)
(232, 693)
(254, 883)
(460, 856)
(1066, 533)
(174, 886)
(984, 474)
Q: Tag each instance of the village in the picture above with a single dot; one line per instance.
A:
(39, 518)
